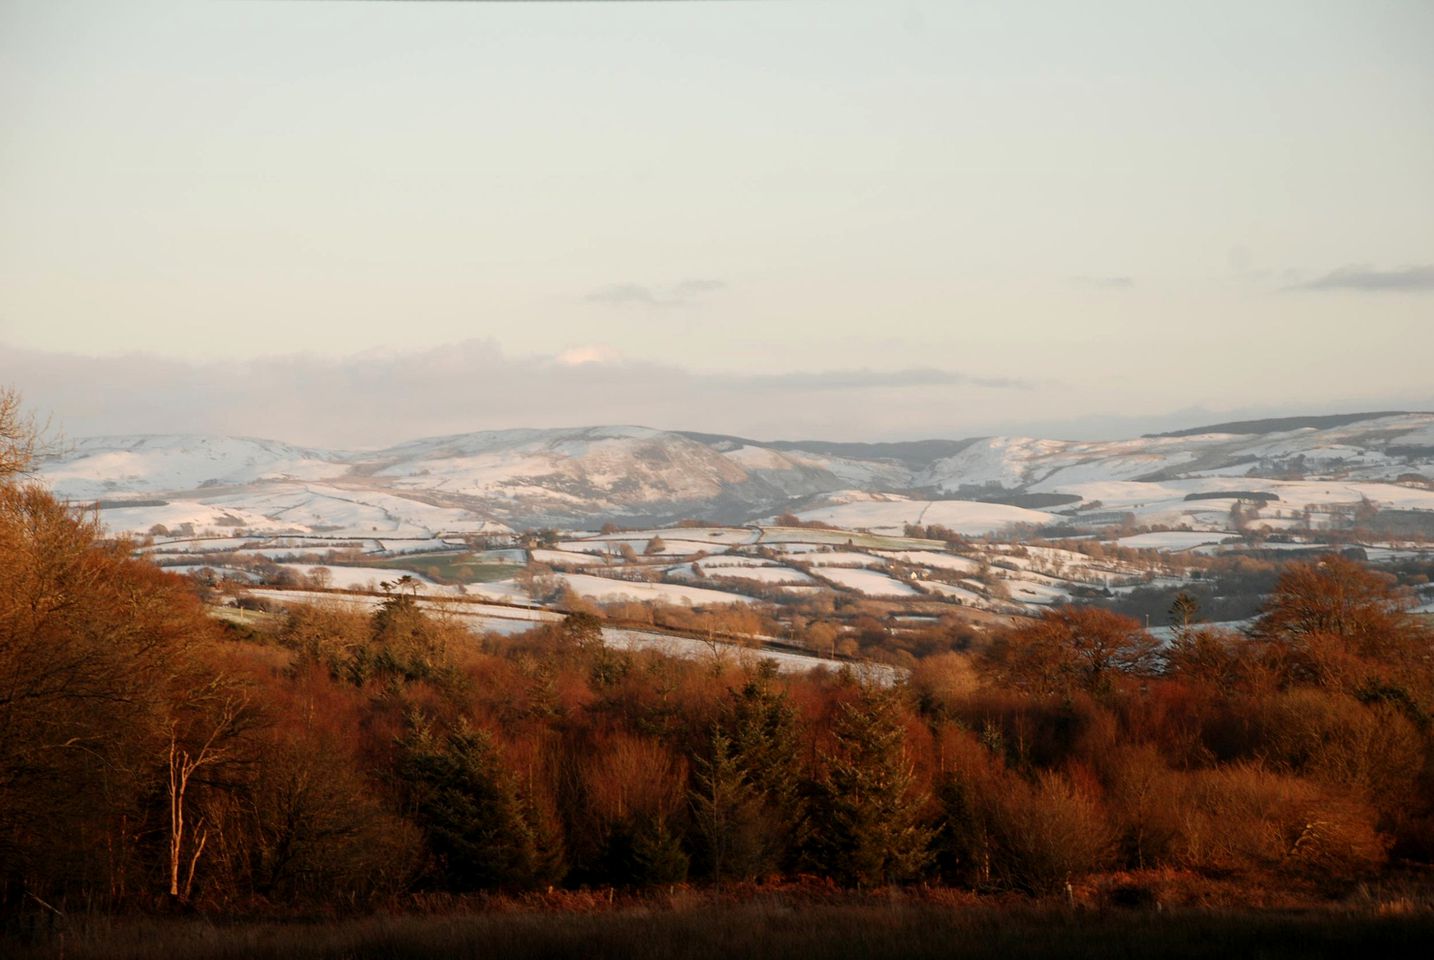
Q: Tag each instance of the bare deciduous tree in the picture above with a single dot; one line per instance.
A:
(19, 435)
(207, 745)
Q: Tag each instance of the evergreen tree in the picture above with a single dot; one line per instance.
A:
(965, 842)
(766, 749)
(725, 813)
(406, 640)
(644, 851)
(867, 813)
(476, 825)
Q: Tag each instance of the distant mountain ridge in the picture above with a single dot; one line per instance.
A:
(910, 452)
(572, 477)
(1280, 424)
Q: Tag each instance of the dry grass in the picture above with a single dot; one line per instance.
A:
(695, 925)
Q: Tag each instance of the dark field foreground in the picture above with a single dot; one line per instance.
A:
(776, 928)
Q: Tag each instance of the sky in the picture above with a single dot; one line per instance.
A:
(351, 223)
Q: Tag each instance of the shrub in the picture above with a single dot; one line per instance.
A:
(1050, 833)
(1246, 818)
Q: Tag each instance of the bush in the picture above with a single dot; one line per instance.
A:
(1051, 833)
(1246, 818)
(1372, 750)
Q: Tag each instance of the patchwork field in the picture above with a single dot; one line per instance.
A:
(992, 528)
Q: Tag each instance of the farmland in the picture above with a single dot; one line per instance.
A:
(999, 528)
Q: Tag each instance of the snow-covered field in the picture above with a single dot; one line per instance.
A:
(704, 537)
(868, 582)
(930, 558)
(733, 560)
(368, 578)
(1382, 553)
(809, 539)
(565, 558)
(892, 515)
(760, 574)
(507, 591)
(1170, 541)
(1027, 590)
(692, 649)
(964, 594)
(606, 590)
(841, 558)
(590, 547)
(418, 545)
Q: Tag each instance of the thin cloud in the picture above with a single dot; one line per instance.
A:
(1105, 283)
(1365, 278)
(680, 294)
(623, 294)
(696, 288)
(377, 398)
(881, 380)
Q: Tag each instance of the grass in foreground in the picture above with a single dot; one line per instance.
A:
(774, 928)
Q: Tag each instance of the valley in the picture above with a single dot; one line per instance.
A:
(801, 551)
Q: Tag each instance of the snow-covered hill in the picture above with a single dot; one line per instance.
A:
(1382, 449)
(581, 477)
(95, 467)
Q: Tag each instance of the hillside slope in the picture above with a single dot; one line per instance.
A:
(582, 477)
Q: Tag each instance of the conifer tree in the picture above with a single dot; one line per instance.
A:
(725, 812)
(467, 806)
(765, 746)
(868, 816)
(406, 640)
(645, 851)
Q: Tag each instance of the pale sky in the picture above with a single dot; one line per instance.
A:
(847, 219)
